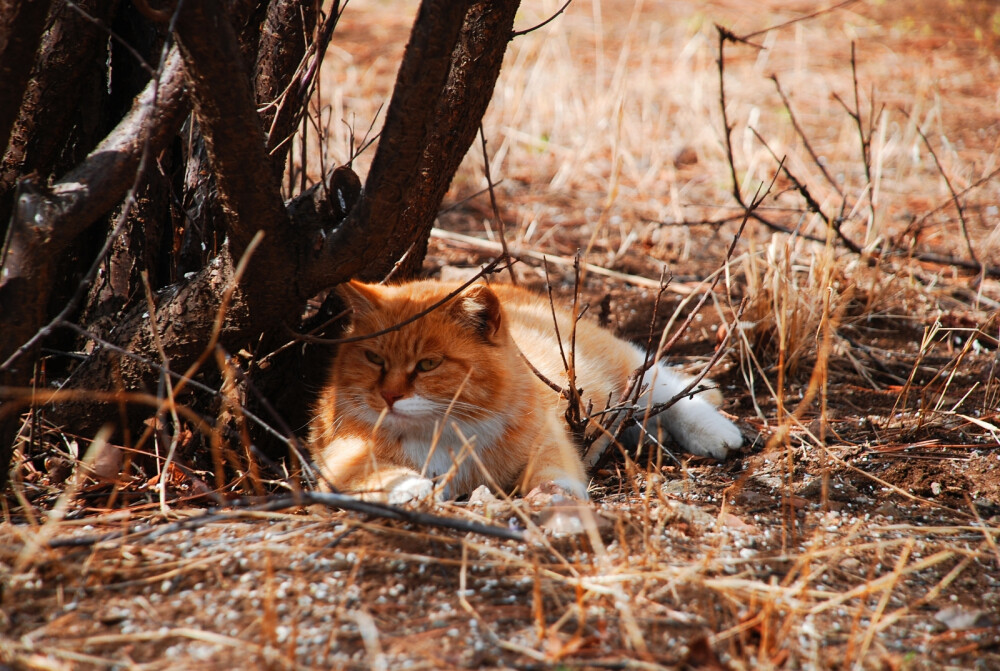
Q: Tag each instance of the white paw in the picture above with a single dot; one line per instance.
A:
(413, 488)
(693, 421)
(701, 430)
(572, 486)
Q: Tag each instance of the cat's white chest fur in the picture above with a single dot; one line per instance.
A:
(442, 453)
(444, 459)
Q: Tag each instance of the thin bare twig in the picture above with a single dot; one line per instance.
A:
(805, 138)
(168, 386)
(932, 257)
(811, 203)
(576, 417)
(758, 198)
(498, 224)
(865, 139)
(367, 141)
(975, 185)
(690, 390)
(303, 80)
(240, 507)
(806, 17)
(719, 352)
(459, 203)
(697, 222)
(951, 190)
(161, 16)
(79, 330)
(521, 254)
(555, 321)
(724, 36)
(539, 374)
(519, 33)
(488, 269)
(614, 422)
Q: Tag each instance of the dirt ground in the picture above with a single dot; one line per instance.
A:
(859, 526)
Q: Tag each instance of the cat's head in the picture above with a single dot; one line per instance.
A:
(418, 365)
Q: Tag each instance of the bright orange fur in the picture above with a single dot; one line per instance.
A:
(409, 406)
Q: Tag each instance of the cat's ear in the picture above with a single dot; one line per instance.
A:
(360, 297)
(479, 308)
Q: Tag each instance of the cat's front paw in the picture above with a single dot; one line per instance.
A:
(412, 488)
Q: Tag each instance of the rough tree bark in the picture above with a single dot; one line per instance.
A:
(54, 127)
(47, 221)
(444, 84)
(21, 25)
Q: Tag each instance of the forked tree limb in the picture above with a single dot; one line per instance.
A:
(274, 37)
(417, 137)
(442, 90)
(226, 109)
(393, 177)
(249, 191)
(328, 255)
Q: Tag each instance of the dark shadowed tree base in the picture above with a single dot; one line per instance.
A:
(209, 173)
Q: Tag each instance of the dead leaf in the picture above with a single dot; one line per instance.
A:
(960, 617)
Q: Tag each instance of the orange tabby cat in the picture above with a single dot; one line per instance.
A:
(447, 403)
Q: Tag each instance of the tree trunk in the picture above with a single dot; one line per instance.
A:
(21, 25)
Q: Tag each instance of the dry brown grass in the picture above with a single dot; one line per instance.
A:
(868, 504)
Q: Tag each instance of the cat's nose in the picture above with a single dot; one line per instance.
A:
(390, 397)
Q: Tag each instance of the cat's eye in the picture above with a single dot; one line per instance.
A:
(425, 365)
(374, 358)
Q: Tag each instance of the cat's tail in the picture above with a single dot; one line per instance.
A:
(693, 421)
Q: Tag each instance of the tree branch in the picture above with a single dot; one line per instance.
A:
(239, 507)
(443, 87)
(54, 98)
(442, 90)
(48, 221)
(21, 26)
(226, 110)
(266, 296)
(279, 69)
